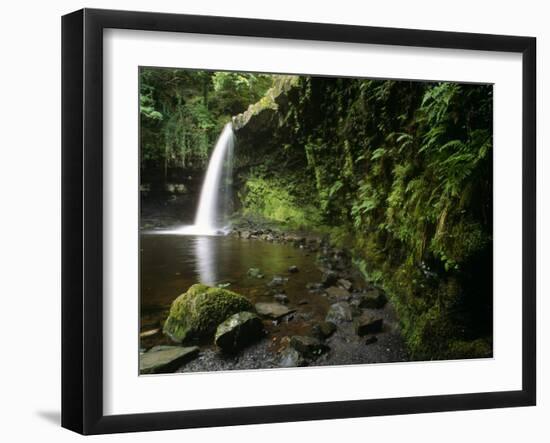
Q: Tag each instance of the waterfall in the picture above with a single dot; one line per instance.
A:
(207, 217)
(209, 220)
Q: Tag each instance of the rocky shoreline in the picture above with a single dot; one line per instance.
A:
(360, 325)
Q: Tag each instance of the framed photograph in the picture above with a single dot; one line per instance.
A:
(269, 221)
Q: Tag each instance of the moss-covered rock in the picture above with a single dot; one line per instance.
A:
(198, 312)
(263, 115)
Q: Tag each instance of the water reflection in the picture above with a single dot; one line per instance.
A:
(205, 248)
(170, 264)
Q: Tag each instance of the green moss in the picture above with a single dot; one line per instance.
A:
(198, 312)
(271, 199)
(401, 173)
(426, 309)
(269, 102)
(479, 348)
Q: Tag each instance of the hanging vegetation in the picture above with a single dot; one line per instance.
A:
(401, 172)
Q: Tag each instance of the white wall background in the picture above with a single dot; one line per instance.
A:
(30, 218)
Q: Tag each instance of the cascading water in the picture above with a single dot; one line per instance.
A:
(209, 220)
(207, 217)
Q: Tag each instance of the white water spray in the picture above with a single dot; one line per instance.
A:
(208, 221)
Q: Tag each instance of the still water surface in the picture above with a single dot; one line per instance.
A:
(170, 264)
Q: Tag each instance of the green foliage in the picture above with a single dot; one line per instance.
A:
(272, 198)
(404, 169)
(236, 91)
(182, 112)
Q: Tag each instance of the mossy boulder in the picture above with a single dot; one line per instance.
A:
(198, 312)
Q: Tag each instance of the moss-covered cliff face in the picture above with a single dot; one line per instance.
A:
(401, 173)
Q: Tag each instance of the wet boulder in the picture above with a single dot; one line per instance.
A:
(329, 278)
(293, 269)
(281, 298)
(346, 284)
(255, 273)
(238, 331)
(371, 339)
(274, 311)
(305, 316)
(368, 324)
(277, 280)
(165, 359)
(149, 333)
(314, 287)
(373, 299)
(324, 329)
(291, 358)
(198, 312)
(339, 312)
(338, 294)
(309, 347)
(268, 237)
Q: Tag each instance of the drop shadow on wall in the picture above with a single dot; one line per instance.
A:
(54, 417)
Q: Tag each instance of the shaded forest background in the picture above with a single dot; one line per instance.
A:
(398, 172)
(182, 113)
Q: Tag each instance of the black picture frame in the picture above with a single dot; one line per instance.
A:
(82, 219)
